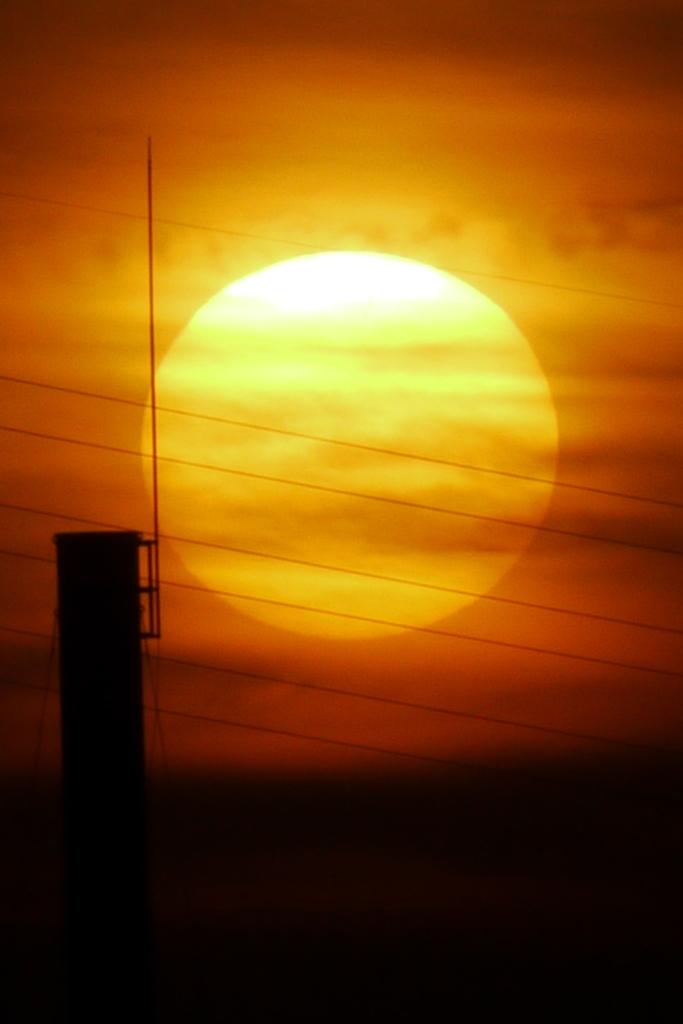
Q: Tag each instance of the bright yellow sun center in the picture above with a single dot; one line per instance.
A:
(388, 356)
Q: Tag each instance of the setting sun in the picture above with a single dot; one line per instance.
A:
(331, 369)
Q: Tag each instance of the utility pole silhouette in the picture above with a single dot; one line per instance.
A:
(107, 929)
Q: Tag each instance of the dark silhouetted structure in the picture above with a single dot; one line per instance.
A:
(107, 920)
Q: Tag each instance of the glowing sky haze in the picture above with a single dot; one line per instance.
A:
(501, 143)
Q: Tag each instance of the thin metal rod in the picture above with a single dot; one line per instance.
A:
(156, 626)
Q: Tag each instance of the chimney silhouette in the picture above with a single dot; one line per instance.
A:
(107, 930)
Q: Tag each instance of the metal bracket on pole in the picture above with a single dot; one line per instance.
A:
(149, 589)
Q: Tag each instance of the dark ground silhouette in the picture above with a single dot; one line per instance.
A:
(433, 899)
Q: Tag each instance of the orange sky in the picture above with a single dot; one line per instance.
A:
(502, 140)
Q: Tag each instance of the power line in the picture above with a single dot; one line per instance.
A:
(157, 730)
(84, 394)
(169, 223)
(23, 554)
(322, 488)
(382, 751)
(19, 888)
(28, 686)
(351, 444)
(618, 296)
(414, 706)
(575, 289)
(430, 631)
(62, 515)
(596, 616)
(26, 632)
(414, 583)
(433, 631)
(41, 726)
(412, 755)
(390, 701)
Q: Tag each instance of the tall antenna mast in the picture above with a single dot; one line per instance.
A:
(154, 605)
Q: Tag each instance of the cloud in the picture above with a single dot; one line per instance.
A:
(646, 225)
(440, 227)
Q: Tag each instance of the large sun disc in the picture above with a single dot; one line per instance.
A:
(332, 369)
